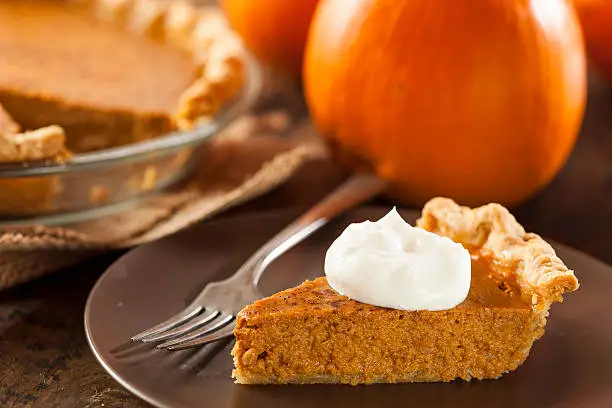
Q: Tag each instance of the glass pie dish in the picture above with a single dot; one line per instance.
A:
(92, 184)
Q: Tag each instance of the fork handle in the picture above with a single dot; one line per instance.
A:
(356, 190)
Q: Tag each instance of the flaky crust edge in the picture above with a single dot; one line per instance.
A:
(491, 231)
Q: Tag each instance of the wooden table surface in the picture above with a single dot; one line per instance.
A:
(44, 357)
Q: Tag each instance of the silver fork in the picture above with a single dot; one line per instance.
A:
(211, 316)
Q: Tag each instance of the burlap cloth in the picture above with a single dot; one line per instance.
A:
(252, 156)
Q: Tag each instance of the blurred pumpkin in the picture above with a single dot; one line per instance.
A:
(477, 100)
(596, 19)
(274, 30)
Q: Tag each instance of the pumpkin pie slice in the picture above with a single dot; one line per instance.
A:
(312, 334)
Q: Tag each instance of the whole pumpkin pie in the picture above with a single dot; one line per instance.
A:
(312, 334)
(85, 75)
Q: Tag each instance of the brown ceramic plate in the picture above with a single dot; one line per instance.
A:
(571, 366)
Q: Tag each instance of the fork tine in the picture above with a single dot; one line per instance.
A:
(174, 321)
(191, 324)
(225, 332)
(222, 321)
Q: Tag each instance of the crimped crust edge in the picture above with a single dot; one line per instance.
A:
(491, 231)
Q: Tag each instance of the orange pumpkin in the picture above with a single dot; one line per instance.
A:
(596, 19)
(274, 30)
(477, 100)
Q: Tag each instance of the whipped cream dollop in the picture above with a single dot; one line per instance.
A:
(389, 263)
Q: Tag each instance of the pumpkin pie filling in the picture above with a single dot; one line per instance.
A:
(312, 334)
(291, 335)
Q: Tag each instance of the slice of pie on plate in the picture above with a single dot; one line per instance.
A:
(312, 334)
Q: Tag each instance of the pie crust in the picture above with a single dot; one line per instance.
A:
(493, 233)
